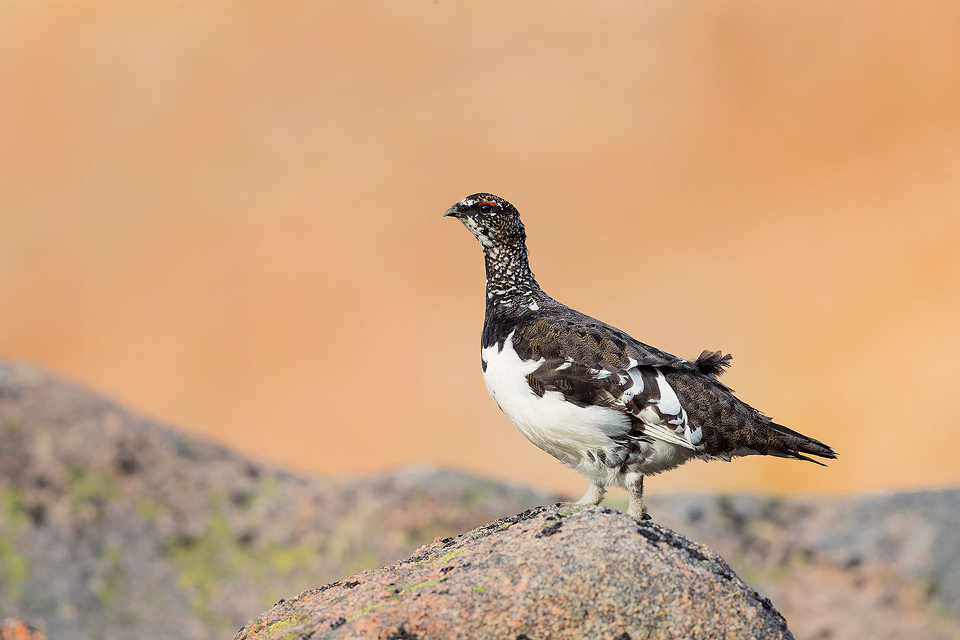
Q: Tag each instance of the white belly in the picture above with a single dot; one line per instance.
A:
(560, 428)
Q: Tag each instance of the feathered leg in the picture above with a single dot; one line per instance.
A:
(635, 492)
(594, 494)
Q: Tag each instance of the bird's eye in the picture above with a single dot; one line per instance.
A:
(486, 206)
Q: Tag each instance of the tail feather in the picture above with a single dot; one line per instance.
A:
(731, 427)
(713, 363)
(788, 443)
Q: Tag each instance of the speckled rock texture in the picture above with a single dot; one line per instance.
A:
(549, 573)
(114, 527)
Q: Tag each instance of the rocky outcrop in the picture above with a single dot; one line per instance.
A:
(112, 526)
(557, 572)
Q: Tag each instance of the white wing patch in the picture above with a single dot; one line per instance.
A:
(669, 402)
(664, 418)
(636, 388)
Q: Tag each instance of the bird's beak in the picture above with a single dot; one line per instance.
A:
(452, 211)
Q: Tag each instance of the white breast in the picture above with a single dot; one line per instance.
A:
(560, 428)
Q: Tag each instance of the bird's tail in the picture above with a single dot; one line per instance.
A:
(787, 443)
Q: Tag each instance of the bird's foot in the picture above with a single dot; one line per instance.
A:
(639, 513)
(594, 495)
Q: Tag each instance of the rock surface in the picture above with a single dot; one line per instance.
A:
(559, 572)
(114, 527)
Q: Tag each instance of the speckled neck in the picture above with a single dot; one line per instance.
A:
(510, 283)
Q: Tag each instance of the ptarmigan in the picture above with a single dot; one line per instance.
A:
(607, 405)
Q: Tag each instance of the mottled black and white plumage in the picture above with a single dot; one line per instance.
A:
(590, 395)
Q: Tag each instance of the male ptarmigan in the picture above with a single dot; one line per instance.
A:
(590, 395)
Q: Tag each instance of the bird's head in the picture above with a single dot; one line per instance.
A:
(494, 221)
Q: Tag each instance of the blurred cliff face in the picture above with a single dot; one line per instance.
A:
(229, 217)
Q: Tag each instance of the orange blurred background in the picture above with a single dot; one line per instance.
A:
(228, 216)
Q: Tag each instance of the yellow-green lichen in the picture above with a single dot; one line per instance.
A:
(412, 587)
(449, 556)
(288, 627)
(220, 556)
(267, 488)
(14, 570)
(367, 609)
(89, 487)
(149, 509)
(284, 560)
(13, 513)
(111, 582)
(206, 562)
